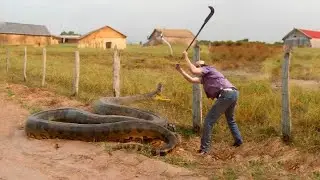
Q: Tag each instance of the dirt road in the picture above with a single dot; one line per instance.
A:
(24, 158)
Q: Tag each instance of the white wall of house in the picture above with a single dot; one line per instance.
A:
(315, 43)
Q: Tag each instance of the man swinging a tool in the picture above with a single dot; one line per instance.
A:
(215, 86)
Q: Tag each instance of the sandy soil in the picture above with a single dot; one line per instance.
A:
(25, 158)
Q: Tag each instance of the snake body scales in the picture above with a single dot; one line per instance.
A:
(112, 120)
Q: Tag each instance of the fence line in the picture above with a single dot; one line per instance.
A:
(76, 71)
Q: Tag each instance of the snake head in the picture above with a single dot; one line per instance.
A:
(159, 88)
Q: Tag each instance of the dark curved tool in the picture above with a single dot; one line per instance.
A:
(205, 22)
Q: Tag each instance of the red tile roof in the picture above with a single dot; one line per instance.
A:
(310, 33)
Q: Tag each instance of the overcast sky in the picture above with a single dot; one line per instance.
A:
(262, 20)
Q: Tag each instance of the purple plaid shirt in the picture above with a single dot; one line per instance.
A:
(213, 81)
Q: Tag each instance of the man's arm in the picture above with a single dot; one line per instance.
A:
(187, 76)
(192, 67)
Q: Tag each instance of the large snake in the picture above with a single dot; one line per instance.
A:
(112, 120)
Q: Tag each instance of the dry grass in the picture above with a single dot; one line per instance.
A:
(245, 55)
(258, 113)
(304, 65)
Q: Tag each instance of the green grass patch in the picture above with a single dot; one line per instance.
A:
(179, 161)
(316, 176)
(230, 174)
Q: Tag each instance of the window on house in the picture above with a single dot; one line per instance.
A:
(108, 45)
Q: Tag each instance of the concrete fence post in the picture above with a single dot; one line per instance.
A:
(7, 61)
(76, 74)
(25, 65)
(44, 58)
(116, 72)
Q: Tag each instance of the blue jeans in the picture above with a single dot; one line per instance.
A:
(226, 104)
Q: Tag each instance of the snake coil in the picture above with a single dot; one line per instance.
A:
(112, 120)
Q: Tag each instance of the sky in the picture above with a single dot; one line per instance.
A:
(257, 20)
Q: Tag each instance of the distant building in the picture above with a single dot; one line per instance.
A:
(25, 34)
(303, 38)
(68, 39)
(173, 36)
(104, 37)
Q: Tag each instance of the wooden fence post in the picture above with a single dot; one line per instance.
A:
(25, 65)
(76, 74)
(116, 73)
(8, 63)
(286, 113)
(44, 58)
(196, 98)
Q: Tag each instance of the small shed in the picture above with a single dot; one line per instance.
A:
(303, 38)
(104, 37)
(69, 39)
(25, 34)
(173, 36)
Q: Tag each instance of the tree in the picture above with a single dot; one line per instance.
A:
(68, 33)
(245, 40)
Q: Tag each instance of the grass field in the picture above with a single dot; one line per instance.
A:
(259, 109)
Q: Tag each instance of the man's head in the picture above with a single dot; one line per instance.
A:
(199, 63)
